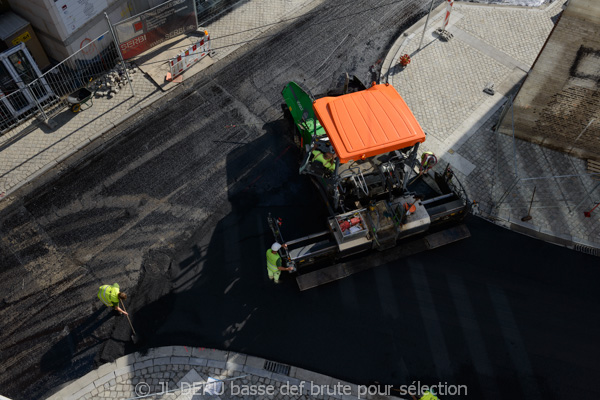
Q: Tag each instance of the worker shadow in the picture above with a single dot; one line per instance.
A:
(251, 304)
(149, 305)
(78, 337)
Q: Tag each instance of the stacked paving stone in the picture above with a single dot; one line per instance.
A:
(110, 84)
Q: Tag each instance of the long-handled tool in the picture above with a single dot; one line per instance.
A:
(416, 177)
(528, 216)
(134, 336)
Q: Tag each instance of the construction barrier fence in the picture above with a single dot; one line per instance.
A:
(46, 94)
(155, 26)
(189, 57)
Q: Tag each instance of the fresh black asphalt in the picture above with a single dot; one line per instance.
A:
(174, 209)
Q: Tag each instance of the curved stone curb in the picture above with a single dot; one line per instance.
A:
(410, 34)
(437, 13)
(483, 113)
(120, 378)
(561, 239)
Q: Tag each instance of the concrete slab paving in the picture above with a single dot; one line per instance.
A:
(444, 85)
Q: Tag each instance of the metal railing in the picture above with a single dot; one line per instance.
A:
(47, 95)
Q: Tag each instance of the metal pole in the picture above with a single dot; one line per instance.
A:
(119, 52)
(512, 105)
(585, 199)
(426, 22)
(32, 94)
(195, 13)
(410, 164)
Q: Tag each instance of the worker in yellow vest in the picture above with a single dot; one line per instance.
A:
(274, 267)
(327, 159)
(110, 296)
(427, 395)
(428, 161)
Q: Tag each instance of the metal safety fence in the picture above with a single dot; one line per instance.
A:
(48, 94)
(189, 56)
(38, 97)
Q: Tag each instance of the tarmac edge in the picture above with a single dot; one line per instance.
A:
(518, 226)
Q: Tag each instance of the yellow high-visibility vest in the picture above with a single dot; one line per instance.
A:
(272, 261)
(108, 294)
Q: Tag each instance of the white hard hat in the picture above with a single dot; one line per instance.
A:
(275, 246)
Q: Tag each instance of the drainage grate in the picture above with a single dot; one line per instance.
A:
(587, 250)
(277, 368)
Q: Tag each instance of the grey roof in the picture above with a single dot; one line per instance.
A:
(10, 23)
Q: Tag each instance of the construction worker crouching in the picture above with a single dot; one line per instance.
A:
(110, 296)
(428, 161)
(327, 159)
(274, 267)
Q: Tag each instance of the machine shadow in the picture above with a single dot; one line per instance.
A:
(219, 294)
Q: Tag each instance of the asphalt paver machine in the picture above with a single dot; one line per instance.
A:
(361, 149)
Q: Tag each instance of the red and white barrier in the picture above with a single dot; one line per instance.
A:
(189, 57)
(449, 5)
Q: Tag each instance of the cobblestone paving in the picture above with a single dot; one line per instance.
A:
(183, 373)
(440, 105)
(507, 172)
(22, 155)
(519, 33)
(165, 382)
(251, 19)
(443, 86)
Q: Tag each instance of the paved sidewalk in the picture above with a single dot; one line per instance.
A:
(27, 154)
(183, 373)
(444, 87)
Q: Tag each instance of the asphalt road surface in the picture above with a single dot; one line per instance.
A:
(175, 209)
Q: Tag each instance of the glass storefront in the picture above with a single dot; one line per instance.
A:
(21, 84)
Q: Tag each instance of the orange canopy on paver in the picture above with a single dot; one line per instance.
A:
(367, 123)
